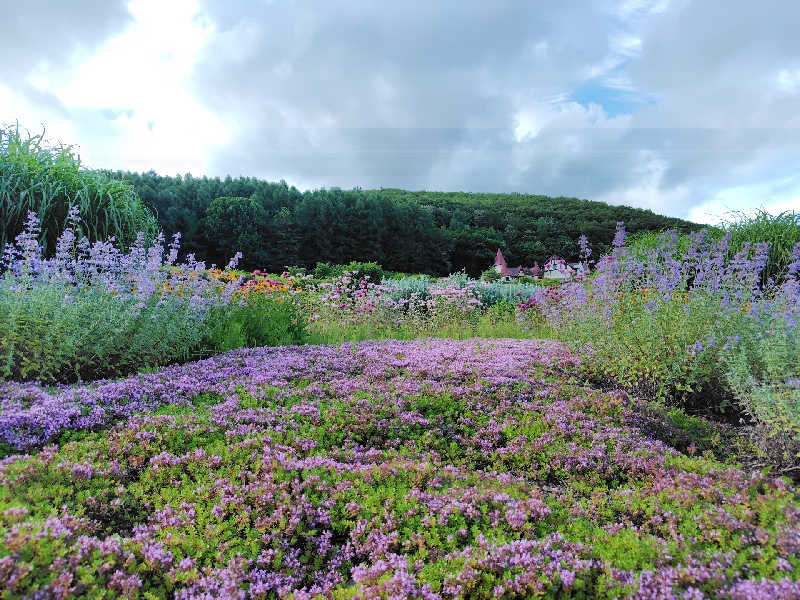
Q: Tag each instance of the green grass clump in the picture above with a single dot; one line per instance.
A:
(46, 179)
(781, 231)
(261, 319)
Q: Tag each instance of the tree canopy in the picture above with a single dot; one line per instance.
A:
(275, 225)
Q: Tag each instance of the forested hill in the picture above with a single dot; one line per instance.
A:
(275, 225)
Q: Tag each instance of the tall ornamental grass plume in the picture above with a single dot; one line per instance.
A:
(694, 325)
(94, 311)
(49, 179)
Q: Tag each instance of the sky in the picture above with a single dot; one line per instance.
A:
(688, 108)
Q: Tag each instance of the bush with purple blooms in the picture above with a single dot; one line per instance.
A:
(433, 469)
(92, 311)
(689, 321)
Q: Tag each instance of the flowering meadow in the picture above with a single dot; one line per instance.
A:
(423, 469)
(352, 307)
(441, 465)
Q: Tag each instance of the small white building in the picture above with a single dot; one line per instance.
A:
(579, 268)
(557, 268)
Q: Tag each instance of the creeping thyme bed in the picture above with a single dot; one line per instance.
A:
(429, 469)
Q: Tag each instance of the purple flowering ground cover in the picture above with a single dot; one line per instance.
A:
(429, 469)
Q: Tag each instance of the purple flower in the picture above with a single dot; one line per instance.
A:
(619, 237)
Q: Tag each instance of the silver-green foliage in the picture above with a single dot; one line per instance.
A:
(50, 333)
(493, 293)
(406, 287)
(764, 371)
(489, 293)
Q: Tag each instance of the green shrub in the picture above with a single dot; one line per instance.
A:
(651, 347)
(49, 179)
(325, 270)
(491, 275)
(500, 312)
(96, 335)
(261, 320)
(50, 335)
(362, 269)
(763, 369)
(295, 271)
(542, 282)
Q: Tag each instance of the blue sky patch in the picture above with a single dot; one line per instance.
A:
(615, 101)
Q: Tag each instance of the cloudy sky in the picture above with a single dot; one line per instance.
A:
(689, 108)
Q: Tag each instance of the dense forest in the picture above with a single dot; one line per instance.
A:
(275, 225)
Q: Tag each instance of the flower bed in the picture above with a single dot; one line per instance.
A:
(430, 469)
(693, 324)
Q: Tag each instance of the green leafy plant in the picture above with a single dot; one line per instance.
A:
(261, 319)
(650, 345)
(491, 275)
(763, 370)
(90, 336)
(355, 269)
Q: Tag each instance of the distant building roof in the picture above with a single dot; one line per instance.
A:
(499, 259)
(502, 268)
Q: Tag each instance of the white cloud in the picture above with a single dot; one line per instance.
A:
(128, 105)
(647, 188)
(457, 94)
(631, 9)
(625, 44)
(789, 80)
(775, 196)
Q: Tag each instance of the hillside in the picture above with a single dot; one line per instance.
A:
(531, 227)
(275, 225)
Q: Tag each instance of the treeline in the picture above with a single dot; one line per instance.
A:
(275, 225)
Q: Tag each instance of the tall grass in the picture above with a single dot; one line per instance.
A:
(780, 231)
(48, 179)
